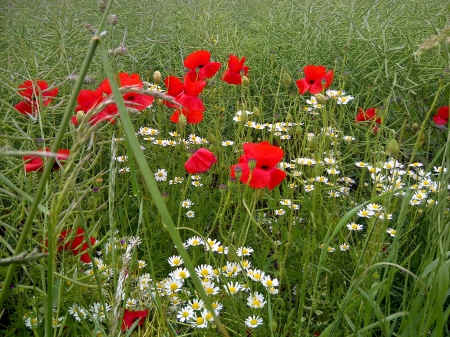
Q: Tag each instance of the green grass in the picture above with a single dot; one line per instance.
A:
(381, 286)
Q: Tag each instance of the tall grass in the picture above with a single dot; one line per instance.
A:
(381, 286)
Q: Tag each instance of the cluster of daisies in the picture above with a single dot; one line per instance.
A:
(237, 283)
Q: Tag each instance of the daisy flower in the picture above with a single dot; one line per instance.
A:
(365, 213)
(232, 288)
(190, 214)
(210, 288)
(194, 241)
(253, 321)
(200, 322)
(186, 203)
(185, 314)
(256, 300)
(279, 212)
(175, 261)
(344, 247)
(268, 282)
(227, 143)
(244, 251)
(354, 227)
(196, 304)
(204, 270)
(180, 274)
(392, 232)
(161, 175)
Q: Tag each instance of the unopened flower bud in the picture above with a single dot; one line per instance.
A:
(321, 99)
(252, 164)
(98, 182)
(238, 172)
(211, 139)
(157, 77)
(207, 181)
(393, 148)
(260, 192)
(256, 111)
(313, 144)
(244, 117)
(182, 121)
(287, 80)
(245, 81)
(80, 116)
(415, 127)
(289, 118)
(298, 130)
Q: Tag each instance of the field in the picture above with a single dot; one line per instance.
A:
(234, 168)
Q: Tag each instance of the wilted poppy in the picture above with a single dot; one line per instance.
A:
(441, 118)
(369, 114)
(235, 71)
(200, 65)
(130, 317)
(36, 163)
(31, 91)
(263, 157)
(201, 161)
(316, 79)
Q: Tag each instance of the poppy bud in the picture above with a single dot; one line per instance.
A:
(289, 118)
(287, 80)
(393, 148)
(98, 182)
(211, 139)
(313, 144)
(237, 172)
(207, 181)
(245, 81)
(80, 116)
(415, 127)
(260, 192)
(244, 117)
(321, 99)
(298, 130)
(92, 202)
(157, 77)
(256, 112)
(182, 121)
(251, 164)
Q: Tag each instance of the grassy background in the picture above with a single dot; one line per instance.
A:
(370, 44)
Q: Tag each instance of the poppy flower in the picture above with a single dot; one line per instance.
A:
(36, 163)
(369, 114)
(441, 118)
(200, 65)
(201, 161)
(89, 99)
(235, 71)
(264, 157)
(186, 93)
(130, 317)
(132, 99)
(31, 91)
(314, 75)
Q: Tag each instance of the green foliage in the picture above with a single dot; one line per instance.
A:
(391, 278)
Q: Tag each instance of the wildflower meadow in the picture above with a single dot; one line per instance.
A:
(224, 168)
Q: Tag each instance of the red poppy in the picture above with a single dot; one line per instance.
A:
(31, 91)
(369, 114)
(89, 99)
(264, 174)
(132, 99)
(314, 75)
(186, 93)
(130, 317)
(201, 161)
(200, 66)
(441, 118)
(235, 71)
(36, 163)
